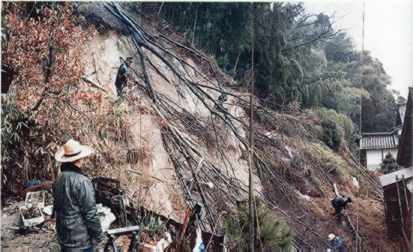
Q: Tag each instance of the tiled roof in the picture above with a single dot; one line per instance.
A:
(378, 141)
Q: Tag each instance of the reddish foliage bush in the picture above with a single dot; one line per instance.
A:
(45, 52)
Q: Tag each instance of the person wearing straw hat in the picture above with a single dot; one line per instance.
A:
(78, 227)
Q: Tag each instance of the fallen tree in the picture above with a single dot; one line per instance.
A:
(183, 150)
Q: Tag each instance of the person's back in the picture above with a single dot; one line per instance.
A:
(339, 203)
(75, 209)
(336, 244)
(66, 186)
(122, 76)
(77, 225)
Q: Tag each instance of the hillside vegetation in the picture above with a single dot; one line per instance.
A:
(300, 57)
(171, 129)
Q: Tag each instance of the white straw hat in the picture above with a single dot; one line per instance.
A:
(331, 237)
(71, 151)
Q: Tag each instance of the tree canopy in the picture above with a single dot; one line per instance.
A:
(299, 57)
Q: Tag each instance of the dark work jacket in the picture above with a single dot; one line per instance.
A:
(339, 203)
(337, 245)
(77, 223)
(121, 78)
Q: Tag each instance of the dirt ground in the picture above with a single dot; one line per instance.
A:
(36, 239)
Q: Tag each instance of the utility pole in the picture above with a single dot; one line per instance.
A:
(361, 113)
(362, 64)
(251, 141)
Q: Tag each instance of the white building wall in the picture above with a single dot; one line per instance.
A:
(375, 157)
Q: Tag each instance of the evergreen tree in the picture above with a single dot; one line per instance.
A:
(299, 57)
(389, 164)
(274, 233)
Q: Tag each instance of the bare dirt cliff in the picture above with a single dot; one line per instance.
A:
(170, 133)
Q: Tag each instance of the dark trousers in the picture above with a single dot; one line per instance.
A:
(119, 91)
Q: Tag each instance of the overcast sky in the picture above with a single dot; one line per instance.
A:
(388, 32)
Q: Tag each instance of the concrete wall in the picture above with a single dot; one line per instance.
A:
(375, 157)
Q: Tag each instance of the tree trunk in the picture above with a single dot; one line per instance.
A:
(160, 9)
(234, 70)
(193, 32)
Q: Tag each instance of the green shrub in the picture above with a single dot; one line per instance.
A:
(331, 134)
(342, 127)
(330, 161)
(13, 126)
(389, 164)
(274, 233)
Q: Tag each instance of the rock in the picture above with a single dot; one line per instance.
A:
(290, 153)
(97, 14)
(356, 183)
(303, 196)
